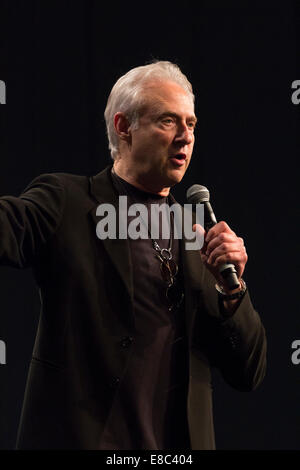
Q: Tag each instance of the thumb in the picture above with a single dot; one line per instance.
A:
(200, 235)
(198, 228)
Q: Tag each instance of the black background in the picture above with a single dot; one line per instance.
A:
(59, 60)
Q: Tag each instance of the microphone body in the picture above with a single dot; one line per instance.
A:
(198, 194)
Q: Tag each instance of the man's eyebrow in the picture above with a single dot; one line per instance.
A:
(175, 115)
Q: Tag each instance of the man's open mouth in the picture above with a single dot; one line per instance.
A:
(178, 159)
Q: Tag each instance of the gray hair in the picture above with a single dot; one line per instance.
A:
(126, 95)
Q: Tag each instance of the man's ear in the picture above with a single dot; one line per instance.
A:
(122, 126)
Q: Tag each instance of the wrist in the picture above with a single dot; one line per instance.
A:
(225, 294)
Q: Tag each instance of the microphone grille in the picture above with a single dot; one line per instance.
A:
(197, 194)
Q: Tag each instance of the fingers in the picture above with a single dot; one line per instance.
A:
(225, 252)
(224, 243)
(233, 257)
(220, 227)
(223, 246)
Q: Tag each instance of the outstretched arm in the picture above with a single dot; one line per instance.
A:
(27, 222)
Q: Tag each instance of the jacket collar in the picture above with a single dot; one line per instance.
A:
(101, 187)
(103, 191)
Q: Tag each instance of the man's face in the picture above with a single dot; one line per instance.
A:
(161, 147)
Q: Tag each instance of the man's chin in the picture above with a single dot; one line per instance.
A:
(176, 175)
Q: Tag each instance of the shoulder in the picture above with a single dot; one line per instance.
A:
(70, 190)
(57, 191)
(59, 180)
(60, 185)
(71, 182)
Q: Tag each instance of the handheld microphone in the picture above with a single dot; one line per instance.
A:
(198, 194)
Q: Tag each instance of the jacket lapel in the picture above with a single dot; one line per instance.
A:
(192, 263)
(103, 191)
(193, 271)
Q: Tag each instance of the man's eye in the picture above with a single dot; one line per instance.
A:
(168, 121)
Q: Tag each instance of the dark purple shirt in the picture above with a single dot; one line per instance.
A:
(150, 406)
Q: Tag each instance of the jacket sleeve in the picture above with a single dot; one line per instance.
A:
(27, 222)
(236, 345)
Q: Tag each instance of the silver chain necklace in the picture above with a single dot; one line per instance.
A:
(168, 267)
(165, 254)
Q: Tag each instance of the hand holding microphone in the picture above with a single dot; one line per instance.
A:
(223, 252)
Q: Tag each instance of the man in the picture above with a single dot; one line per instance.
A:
(129, 329)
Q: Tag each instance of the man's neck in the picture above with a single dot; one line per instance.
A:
(126, 175)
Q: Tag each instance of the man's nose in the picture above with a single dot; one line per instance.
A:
(184, 135)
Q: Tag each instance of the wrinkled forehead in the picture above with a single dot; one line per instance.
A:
(158, 95)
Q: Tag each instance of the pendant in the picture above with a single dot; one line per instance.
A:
(166, 254)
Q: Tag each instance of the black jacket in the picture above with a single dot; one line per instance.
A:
(86, 311)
